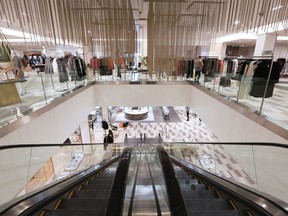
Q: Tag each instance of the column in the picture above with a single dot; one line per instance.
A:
(85, 135)
(87, 54)
(105, 114)
(217, 49)
(265, 43)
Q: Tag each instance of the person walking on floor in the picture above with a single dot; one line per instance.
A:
(187, 108)
(198, 68)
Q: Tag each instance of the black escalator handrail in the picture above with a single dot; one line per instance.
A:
(175, 198)
(253, 200)
(154, 189)
(280, 145)
(4, 147)
(117, 194)
(134, 186)
(33, 202)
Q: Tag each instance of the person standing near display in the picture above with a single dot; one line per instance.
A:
(198, 68)
(187, 108)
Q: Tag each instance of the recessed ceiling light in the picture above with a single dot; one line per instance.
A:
(237, 22)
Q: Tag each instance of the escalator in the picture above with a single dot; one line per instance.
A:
(199, 193)
(201, 198)
(86, 199)
(145, 180)
(91, 192)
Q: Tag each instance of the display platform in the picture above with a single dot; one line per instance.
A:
(9, 93)
(136, 113)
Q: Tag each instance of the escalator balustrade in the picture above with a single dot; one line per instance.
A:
(88, 198)
(202, 199)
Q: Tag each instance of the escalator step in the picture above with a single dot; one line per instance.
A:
(106, 175)
(101, 181)
(63, 212)
(219, 213)
(208, 204)
(183, 176)
(188, 181)
(96, 187)
(101, 194)
(85, 204)
(193, 187)
(198, 194)
(198, 187)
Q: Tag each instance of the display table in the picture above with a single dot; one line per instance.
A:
(136, 113)
(8, 92)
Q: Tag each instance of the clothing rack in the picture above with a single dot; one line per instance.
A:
(267, 57)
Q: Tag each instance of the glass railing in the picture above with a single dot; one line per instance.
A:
(40, 89)
(249, 91)
(261, 167)
(35, 90)
(25, 169)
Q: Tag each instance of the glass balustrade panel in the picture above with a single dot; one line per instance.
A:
(24, 170)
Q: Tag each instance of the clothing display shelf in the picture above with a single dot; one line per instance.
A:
(264, 57)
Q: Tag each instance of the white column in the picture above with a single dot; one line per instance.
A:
(217, 49)
(265, 42)
(87, 53)
(85, 135)
(105, 113)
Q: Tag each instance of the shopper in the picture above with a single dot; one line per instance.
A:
(198, 68)
(187, 108)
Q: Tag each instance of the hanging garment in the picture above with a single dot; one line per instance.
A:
(71, 65)
(260, 79)
(246, 80)
(63, 75)
(49, 66)
(55, 66)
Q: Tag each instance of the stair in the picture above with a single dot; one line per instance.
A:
(202, 200)
(88, 198)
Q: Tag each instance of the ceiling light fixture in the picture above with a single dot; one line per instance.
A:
(277, 8)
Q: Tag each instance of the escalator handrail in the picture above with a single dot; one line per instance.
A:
(3, 147)
(134, 187)
(117, 194)
(175, 198)
(280, 145)
(252, 199)
(33, 202)
(154, 189)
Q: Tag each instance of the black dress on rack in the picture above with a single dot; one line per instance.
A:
(260, 79)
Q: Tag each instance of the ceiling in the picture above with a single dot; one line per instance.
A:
(114, 26)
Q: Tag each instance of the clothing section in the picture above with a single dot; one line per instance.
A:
(184, 66)
(104, 65)
(252, 76)
(70, 65)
